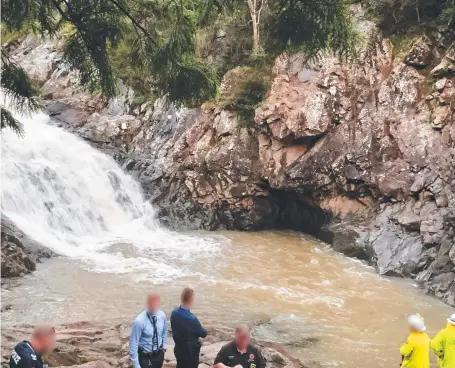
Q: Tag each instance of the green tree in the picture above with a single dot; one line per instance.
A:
(411, 16)
(305, 25)
(160, 40)
(20, 91)
(311, 26)
(162, 45)
(256, 7)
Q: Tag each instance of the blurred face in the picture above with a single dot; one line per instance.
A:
(242, 339)
(153, 303)
(49, 343)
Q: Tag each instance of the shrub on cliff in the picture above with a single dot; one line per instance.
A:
(245, 88)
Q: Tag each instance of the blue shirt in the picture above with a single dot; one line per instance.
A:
(186, 330)
(142, 334)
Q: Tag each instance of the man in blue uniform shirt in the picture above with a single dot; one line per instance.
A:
(149, 335)
(28, 354)
(186, 331)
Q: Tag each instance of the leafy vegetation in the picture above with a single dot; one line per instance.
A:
(16, 85)
(153, 44)
(248, 87)
(397, 17)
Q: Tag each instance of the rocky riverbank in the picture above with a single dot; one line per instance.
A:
(363, 150)
(97, 345)
(19, 253)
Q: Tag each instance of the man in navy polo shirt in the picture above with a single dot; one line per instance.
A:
(186, 331)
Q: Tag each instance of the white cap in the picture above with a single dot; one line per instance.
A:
(451, 319)
(416, 321)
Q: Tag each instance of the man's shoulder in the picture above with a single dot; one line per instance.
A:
(22, 352)
(162, 314)
(140, 317)
(230, 346)
(23, 347)
(182, 312)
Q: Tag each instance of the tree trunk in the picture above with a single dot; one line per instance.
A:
(255, 35)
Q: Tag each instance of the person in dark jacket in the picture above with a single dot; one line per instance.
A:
(240, 353)
(28, 354)
(186, 331)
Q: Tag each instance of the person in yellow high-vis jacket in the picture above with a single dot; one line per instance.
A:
(415, 352)
(443, 344)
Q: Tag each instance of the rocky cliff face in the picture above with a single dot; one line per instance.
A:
(365, 147)
(19, 253)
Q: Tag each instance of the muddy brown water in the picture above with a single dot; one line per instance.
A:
(324, 307)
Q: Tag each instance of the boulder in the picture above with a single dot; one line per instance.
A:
(446, 66)
(346, 238)
(19, 252)
(420, 53)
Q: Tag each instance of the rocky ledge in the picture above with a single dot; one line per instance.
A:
(19, 253)
(96, 345)
(365, 149)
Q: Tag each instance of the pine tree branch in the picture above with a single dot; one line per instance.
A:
(134, 21)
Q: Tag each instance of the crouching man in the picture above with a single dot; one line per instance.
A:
(240, 353)
(29, 354)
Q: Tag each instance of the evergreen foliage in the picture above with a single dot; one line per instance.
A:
(161, 34)
(19, 90)
(396, 17)
(152, 43)
(311, 26)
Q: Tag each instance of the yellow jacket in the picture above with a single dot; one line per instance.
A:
(416, 351)
(443, 345)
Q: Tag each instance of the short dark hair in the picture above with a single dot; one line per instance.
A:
(187, 295)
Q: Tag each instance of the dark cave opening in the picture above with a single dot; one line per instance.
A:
(297, 212)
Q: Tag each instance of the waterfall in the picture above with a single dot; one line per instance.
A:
(78, 202)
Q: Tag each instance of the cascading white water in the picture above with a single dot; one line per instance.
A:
(78, 201)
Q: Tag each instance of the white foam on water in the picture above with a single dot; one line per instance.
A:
(79, 202)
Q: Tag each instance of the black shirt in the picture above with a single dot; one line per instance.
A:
(23, 356)
(230, 356)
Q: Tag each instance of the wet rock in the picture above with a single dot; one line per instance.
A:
(442, 283)
(394, 252)
(432, 224)
(443, 264)
(19, 253)
(408, 218)
(346, 238)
